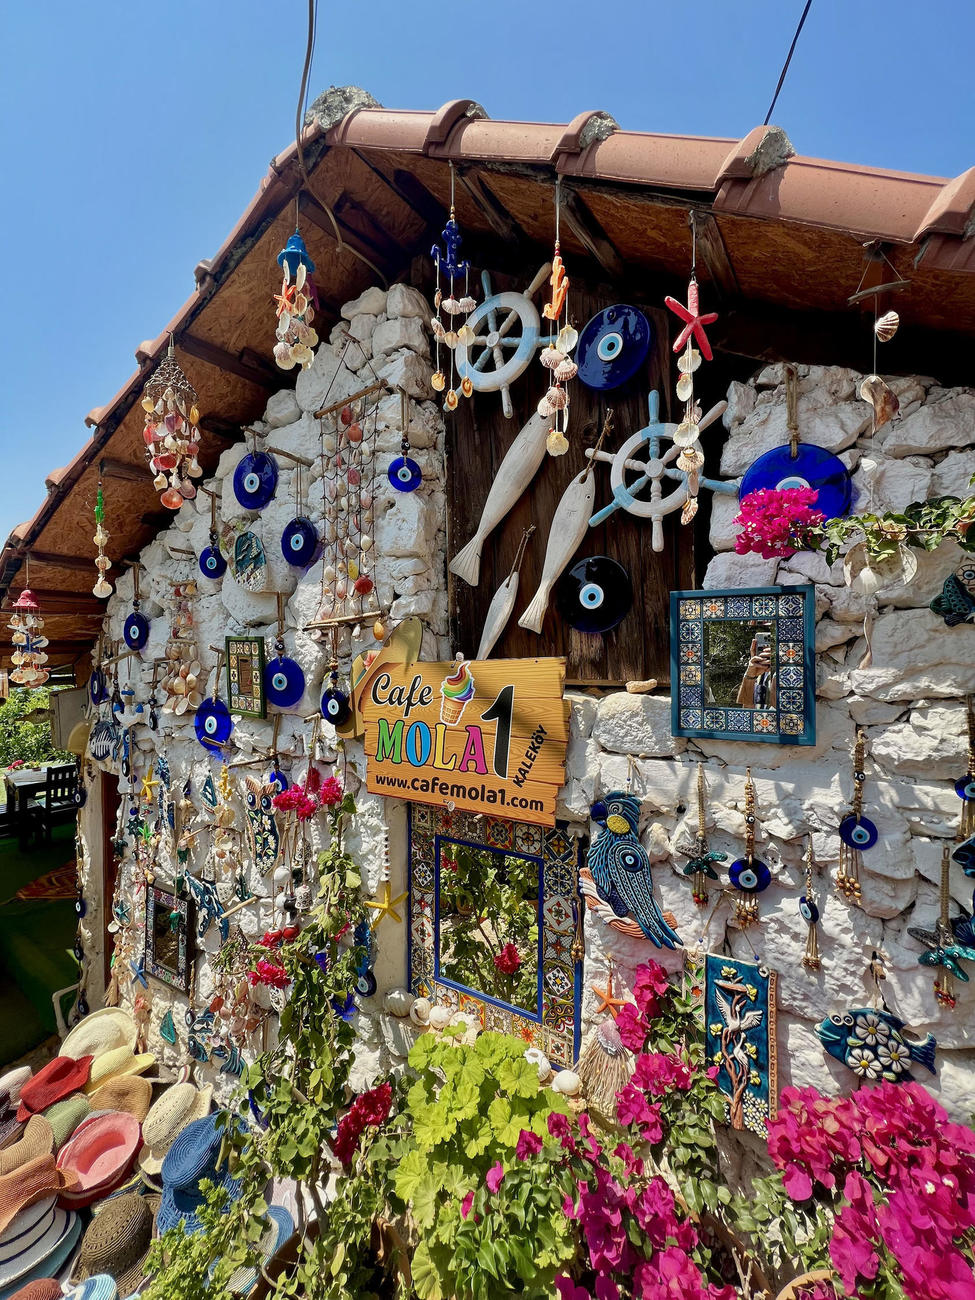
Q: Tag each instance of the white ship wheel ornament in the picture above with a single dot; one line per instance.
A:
(654, 470)
(493, 355)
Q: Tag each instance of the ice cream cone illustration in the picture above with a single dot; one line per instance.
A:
(456, 691)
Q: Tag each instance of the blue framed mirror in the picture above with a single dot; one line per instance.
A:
(743, 664)
(493, 918)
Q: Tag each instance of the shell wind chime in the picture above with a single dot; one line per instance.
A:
(102, 588)
(295, 307)
(556, 356)
(183, 670)
(28, 640)
(450, 267)
(876, 392)
(171, 432)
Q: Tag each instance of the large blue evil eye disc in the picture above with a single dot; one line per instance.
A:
(404, 474)
(136, 631)
(858, 832)
(965, 787)
(812, 467)
(335, 706)
(97, 689)
(213, 724)
(750, 875)
(255, 480)
(299, 542)
(613, 346)
(284, 682)
(594, 595)
(212, 563)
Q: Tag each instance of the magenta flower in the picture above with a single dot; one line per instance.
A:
(630, 1027)
(529, 1144)
(777, 523)
(494, 1178)
(508, 959)
(559, 1127)
(465, 1205)
(568, 1290)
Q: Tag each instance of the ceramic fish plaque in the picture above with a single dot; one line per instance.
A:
(873, 1045)
(250, 562)
(739, 1027)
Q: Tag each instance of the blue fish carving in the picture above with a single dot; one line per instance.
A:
(620, 868)
(210, 907)
(262, 824)
(873, 1045)
(955, 604)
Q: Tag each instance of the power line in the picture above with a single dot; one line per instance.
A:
(785, 66)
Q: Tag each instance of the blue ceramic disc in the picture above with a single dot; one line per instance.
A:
(299, 542)
(594, 595)
(858, 832)
(808, 910)
(404, 474)
(335, 706)
(255, 480)
(613, 346)
(212, 563)
(97, 687)
(751, 877)
(965, 787)
(213, 725)
(284, 682)
(964, 855)
(136, 631)
(812, 467)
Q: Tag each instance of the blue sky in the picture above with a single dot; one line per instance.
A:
(133, 135)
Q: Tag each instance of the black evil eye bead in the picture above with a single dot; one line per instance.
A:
(212, 563)
(335, 706)
(404, 474)
(284, 682)
(80, 907)
(365, 984)
(97, 689)
(752, 877)
(965, 787)
(613, 346)
(808, 910)
(299, 542)
(255, 480)
(136, 631)
(213, 724)
(594, 595)
(80, 796)
(858, 832)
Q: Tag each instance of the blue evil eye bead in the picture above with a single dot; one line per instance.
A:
(750, 876)
(255, 480)
(80, 796)
(594, 595)
(278, 778)
(335, 706)
(284, 682)
(613, 346)
(965, 787)
(365, 984)
(299, 542)
(599, 812)
(136, 631)
(964, 855)
(213, 725)
(808, 910)
(97, 687)
(80, 907)
(811, 467)
(858, 832)
(404, 474)
(212, 563)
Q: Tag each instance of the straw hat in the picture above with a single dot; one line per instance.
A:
(117, 1061)
(37, 1139)
(280, 1228)
(53, 1261)
(59, 1078)
(117, 1242)
(45, 1288)
(98, 1287)
(179, 1106)
(12, 1082)
(101, 1032)
(65, 1116)
(29, 1184)
(37, 1242)
(129, 1092)
(99, 1154)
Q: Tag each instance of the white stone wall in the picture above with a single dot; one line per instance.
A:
(909, 701)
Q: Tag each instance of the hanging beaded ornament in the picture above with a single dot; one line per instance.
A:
(448, 264)
(749, 875)
(28, 640)
(810, 914)
(171, 433)
(555, 356)
(965, 790)
(691, 458)
(295, 307)
(857, 833)
(700, 868)
(102, 588)
(949, 943)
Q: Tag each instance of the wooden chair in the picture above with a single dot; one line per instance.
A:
(56, 803)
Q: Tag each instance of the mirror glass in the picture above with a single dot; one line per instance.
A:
(487, 922)
(739, 659)
(165, 940)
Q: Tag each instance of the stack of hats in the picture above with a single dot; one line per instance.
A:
(179, 1106)
(10, 1086)
(115, 1245)
(193, 1157)
(36, 1234)
(99, 1155)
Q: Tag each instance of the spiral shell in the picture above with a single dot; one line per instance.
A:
(886, 327)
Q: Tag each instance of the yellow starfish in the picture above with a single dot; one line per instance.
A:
(149, 787)
(386, 906)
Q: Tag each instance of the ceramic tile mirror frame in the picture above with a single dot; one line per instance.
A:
(245, 676)
(169, 938)
(538, 868)
(742, 664)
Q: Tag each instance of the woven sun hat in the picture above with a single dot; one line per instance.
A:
(32, 1182)
(65, 1116)
(117, 1242)
(37, 1139)
(129, 1092)
(280, 1228)
(118, 1061)
(45, 1288)
(53, 1262)
(12, 1082)
(178, 1106)
(38, 1248)
(101, 1032)
(100, 1153)
(98, 1287)
(196, 1153)
(58, 1079)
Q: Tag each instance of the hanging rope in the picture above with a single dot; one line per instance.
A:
(785, 66)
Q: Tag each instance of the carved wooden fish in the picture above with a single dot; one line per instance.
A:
(499, 611)
(569, 525)
(517, 469)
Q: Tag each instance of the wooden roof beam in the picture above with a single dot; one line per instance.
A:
(82, 562)
(712, 249)
(590, 233)
(317, 214)
(124, 470)
(247, 364)
(490, 206)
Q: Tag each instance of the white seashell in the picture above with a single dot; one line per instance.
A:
(566, 370)
(398, 1002)
(543, 408)
(467, 304)
(328, 444)
(557, 398)
(436, 325)
(691, 458)
(439, 1017)
(689, 361)
(365, 541)
(451, 306)
(102, 588)
(535, 1056)
(466, 335)
(567, 339)
(420, 1011)
(685, 388)
(282, 355)
(551, 357)
(568, 1083)
(686, 434)
(556, 444)
(886, 327)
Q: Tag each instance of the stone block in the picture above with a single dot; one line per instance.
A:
(404, 300)
(732, 570)
(371, 302)
(930, 744)
(401, 332)
(952, 476)
(634, 724)
(723, 529)
(282, 409)
(915, 655)
(936, 426)
(834, 427)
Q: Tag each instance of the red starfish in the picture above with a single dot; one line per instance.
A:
(695, 322)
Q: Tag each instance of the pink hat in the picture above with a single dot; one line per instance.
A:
(58, 1079)
(99, 1154)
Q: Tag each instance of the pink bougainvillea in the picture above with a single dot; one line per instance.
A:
(269, 973)
(777, 522)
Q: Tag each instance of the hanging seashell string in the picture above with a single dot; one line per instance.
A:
(296, 305)
(28, 638)
(171, 432)
(102, 588)
(555, 357)
(446, 333)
